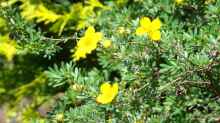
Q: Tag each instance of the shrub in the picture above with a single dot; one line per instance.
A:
(118, 61)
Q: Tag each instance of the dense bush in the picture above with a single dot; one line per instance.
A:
(110, 61)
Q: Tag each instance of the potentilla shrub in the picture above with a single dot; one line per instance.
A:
(110, 61)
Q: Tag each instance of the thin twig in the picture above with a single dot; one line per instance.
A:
(180, 77)
(195, 82)
(60, 39)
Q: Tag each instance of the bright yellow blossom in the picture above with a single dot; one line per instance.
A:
(107, 43)
(87, 44)
(151, 28)
(107, 93)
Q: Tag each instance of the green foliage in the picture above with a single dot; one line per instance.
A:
(59, 76)
(172, 80)
(28, 38)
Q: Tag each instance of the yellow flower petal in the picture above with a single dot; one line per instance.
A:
(87, 43)
(104, 99)
(90, 30)
(156, 24)
(80, 53)
(155, 35)
(105, 87)
(140, 31)
(107, 93)
(115, 88)
(98, 36)
(145, 22)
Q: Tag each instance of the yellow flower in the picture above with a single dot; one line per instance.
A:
(87, 44)
(107, 43)
(179, 2)
(108, 93)
(151, 28)
(7, 47)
